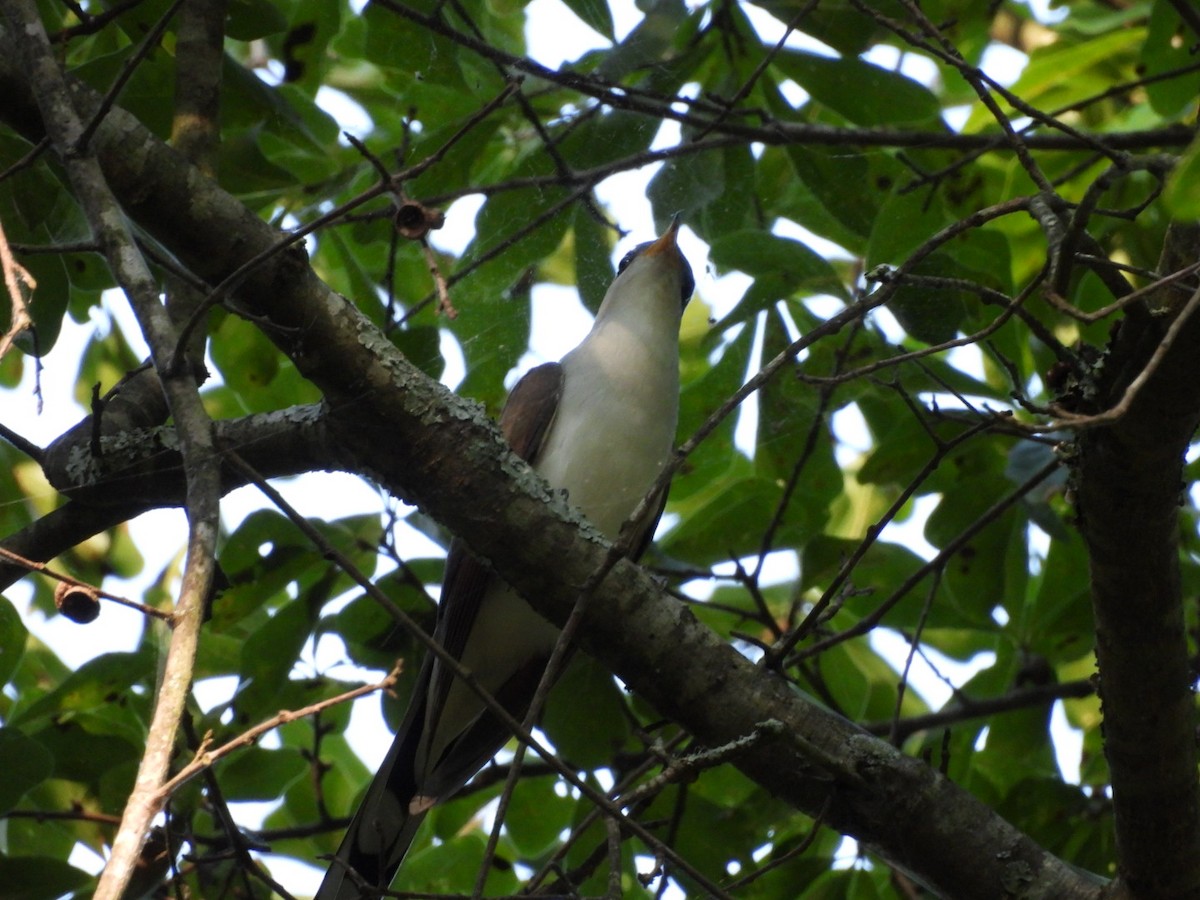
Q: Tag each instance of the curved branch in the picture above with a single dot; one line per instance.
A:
(145, 472)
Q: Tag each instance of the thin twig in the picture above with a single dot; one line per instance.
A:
(17, 280)
(34, 566)
(205, 757)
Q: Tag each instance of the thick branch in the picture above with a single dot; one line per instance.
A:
(1130, 476)
(141, 469)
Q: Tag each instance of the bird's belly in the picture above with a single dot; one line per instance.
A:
(606, 455)
(506, 635)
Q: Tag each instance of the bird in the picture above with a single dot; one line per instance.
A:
(599, 425)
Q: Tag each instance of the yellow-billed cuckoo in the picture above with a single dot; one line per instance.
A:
(601, 425)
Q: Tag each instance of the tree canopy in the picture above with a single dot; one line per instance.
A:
(940, 381)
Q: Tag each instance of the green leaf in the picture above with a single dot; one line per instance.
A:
(874, 578)
(839, 25)
(594, 270)
(301, 140)
(904, 223)
(450, 868)
(825, 172)
(731, 209)
(98, 694)
(1058, 624)
(39, 878)
(246, 20)
(267, 657)
(934, 312)
(713, 459)
(537, 814)
(859, 91)
(13, 635)
(725, 521)
(1169, 47)
(595, 14)
(304, 48)
(687, 184)
(789, 265)
(427, 55)
(585, 715)
(649, 43)
(149, 93)
(1065, 71)
(48, 306)
(978, 577)
(248, 362)
(25, 763)
(259, 774)
(1181, 195)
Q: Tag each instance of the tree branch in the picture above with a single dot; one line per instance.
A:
(141, 469)
(1130, 474)
(70, 139)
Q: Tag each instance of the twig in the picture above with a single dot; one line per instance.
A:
(688, 767)
(913, 643)
(868, 622)
(17, 280)
(967, 708)
(44, 569)
(206, 757)
(1059, 303)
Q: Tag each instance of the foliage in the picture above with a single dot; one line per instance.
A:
(902, 257)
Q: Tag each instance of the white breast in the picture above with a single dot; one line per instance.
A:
(615, 426)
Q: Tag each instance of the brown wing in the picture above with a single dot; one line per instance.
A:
(525, 419)
(531, 408)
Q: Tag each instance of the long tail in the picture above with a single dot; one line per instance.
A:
(383, 828)
(362, 852)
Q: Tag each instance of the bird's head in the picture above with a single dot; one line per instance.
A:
(656, 266)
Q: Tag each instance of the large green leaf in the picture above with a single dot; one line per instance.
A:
(1164, 53)
(785, 265)
(256, 773)
(537, 815)
(860, 92)
(39, 877)
(595, 14)
(585, 715)
(26, 763)
(12, 639)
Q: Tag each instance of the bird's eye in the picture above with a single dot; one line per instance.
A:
(630, 256)
(688, 285)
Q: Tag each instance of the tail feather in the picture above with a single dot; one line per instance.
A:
(383, 828)
(368, 857)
